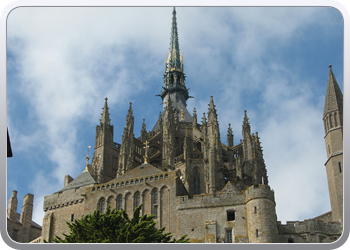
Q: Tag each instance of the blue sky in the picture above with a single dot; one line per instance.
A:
(272, 62)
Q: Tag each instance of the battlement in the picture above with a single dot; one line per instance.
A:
(259, 191)
(309, 226)
(209, 200)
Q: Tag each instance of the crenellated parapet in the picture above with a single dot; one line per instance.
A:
(259, 192)
(309, 231)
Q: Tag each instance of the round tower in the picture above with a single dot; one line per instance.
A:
(261, 214)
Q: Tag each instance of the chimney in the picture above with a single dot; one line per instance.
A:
(27, 210)
(12, 207)
(67, 180)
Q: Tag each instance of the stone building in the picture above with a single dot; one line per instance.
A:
(20, 227)
(192, 182)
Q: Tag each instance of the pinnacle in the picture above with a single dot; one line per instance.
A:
(105, 114)
(229, 130)
(245, 120)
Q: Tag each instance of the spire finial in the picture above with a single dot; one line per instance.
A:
(105, 114)
(87, 157)
(146, 147)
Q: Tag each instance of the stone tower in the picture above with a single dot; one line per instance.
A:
(333, 125)
(261, 214)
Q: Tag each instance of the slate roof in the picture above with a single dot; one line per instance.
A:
(83, 179)
(334, 96)
(142, 170)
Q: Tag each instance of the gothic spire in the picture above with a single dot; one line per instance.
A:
(174, 59)
(105, 114)
(334, 96)
(245, 126)
(212, 116)
(174, 77)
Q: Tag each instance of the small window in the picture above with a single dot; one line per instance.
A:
(72, 218)
(156, 212)
(255, 210)
(103, 206)
(229, 236)
(230, 215)
(339, 165)
(137, 200)
(119, 203)
(155, 197)
(257, 233)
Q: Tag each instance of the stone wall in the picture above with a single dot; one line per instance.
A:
(311, 231)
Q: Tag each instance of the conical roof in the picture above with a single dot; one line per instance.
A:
(334, 96)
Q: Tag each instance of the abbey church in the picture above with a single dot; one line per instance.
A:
(189, 179)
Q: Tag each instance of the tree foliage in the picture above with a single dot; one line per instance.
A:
(114, 226)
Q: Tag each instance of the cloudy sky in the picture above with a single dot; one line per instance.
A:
(273, 62)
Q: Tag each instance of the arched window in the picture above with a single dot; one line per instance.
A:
(102, 205)
(155, 203)
(137, 199)
(196, 183)
(119, 202)
(110, 200)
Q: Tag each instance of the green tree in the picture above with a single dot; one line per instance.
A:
(114, 226)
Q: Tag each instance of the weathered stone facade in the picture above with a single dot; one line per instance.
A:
(183, 173)
(20, 227)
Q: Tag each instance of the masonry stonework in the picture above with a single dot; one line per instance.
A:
(189, 179)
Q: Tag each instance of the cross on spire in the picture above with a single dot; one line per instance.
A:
(146, 147)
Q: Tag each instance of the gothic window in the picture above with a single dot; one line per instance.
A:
(137, 200)
(335, 120)
(229, 236)
(109, 200)
(155, 204)
(230, 215)
(339, 165)
(102, 205)
(119, 202)
(196, 182)
(155, 197)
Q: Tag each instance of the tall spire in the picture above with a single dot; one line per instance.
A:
(105, 114)
(174, 60)
(174, 77)
(334, 96)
